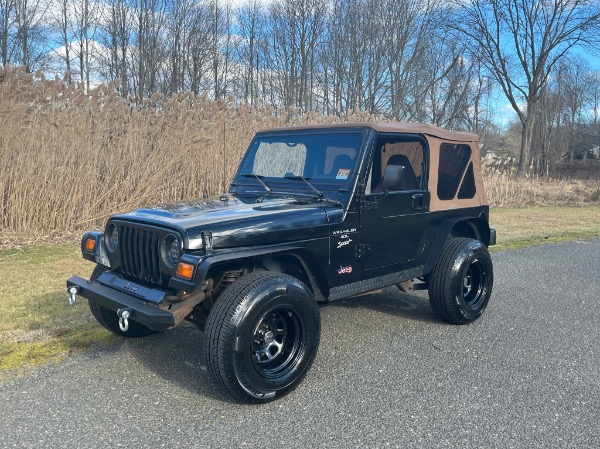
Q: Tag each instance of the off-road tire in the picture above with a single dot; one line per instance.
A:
(461, 281)
(262, 336)
(109, 319)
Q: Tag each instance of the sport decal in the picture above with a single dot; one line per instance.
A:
(343, 243)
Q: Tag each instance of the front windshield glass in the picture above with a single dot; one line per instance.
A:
(328, 158)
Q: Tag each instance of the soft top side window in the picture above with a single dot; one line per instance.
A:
(453, 163)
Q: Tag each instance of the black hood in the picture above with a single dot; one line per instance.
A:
(242, 221)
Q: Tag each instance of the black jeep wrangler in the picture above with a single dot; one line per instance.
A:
(314, 214)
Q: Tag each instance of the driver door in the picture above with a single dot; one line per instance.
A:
(393, 222)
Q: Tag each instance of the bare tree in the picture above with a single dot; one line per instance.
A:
(179, 26)
(115, 35)
(7, 21)
(594, 82)
(295, 29)
(521, 41)
(221, 46)
(61, 21)
(576, 97)
(251, 17)
(410, 31)
(32, 34)
(354, 58)
(199, 48)
(565, 114)
(453, 90)
(84, 25)
(149, 23)
(550, 122)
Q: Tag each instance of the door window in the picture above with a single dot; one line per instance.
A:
(398, 152)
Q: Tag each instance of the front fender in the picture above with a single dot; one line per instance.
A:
(304, 256)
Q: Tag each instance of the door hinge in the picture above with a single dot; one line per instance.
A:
(368, 205)
(362, 250)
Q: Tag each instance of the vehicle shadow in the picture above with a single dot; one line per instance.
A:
(177, 356)
(392, 301)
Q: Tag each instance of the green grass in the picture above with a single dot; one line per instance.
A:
(39, 327)
(522, 227)
(19, 357)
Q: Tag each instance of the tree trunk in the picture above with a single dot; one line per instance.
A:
(526, 139)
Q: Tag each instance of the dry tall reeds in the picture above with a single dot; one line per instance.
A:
(504, 189)
(70, 159)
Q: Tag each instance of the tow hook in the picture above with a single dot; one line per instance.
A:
(124, 315)
(72, 295)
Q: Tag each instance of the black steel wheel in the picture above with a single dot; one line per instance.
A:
(262, 336)
(461, 282)
(109, 319)
(277, 340)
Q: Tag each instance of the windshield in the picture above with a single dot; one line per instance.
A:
(322, 158)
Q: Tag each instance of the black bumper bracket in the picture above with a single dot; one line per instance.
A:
(143, 312)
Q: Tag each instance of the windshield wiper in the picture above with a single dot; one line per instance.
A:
(260, 179)
(310, 184)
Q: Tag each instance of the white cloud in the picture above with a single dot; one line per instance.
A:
(506, 114)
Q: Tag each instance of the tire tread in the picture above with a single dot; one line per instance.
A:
(441, 280)
(219, 328)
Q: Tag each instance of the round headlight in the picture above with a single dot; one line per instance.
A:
(171, 250)
(111, 236)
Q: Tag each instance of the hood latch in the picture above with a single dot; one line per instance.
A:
(207, 242)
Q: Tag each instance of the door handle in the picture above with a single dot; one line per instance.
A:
(418, 201)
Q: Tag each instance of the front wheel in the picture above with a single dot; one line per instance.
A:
(461, 281)
(262, 336)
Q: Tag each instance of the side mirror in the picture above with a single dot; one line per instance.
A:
(393, 177)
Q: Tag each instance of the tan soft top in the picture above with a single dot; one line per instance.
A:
(435, 137)
(393, 127)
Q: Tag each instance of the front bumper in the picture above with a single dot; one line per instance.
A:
(144, 312)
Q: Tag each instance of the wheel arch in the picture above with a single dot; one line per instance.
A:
(476, 228)
(297, 262)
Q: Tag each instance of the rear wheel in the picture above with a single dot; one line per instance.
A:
(461, 282)
(262, 336)
(109, 319)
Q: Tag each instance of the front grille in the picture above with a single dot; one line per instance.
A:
(140, 253)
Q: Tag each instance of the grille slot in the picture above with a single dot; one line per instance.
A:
(140, 252)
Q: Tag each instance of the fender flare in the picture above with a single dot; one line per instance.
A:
(309, 262)
(480, 228)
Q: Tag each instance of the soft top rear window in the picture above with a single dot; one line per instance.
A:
(453, 162)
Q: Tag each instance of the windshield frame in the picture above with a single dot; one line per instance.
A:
(287, 186)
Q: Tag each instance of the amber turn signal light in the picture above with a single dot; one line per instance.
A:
(90, 245)
(185, 270)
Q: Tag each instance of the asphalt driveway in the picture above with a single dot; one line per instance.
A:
(388, 374)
